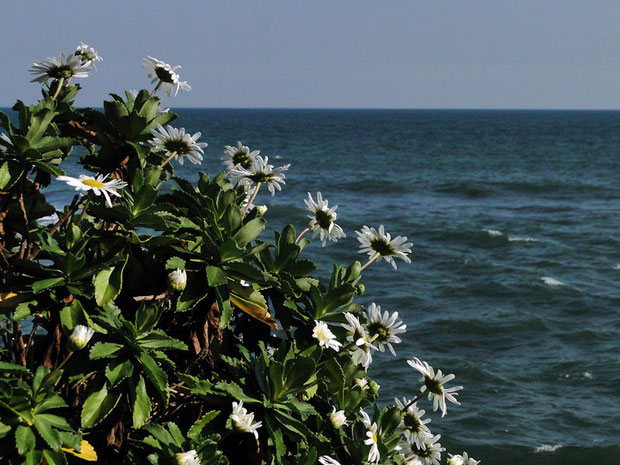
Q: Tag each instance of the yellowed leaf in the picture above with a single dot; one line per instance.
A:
(11, 299)
(87, 452)
(255, 309)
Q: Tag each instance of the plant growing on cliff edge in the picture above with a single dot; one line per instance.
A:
(149, 321)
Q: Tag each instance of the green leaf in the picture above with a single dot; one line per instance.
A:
(55, 457)
(234, 391)
(144, 198)
(73, 315)
(49, 434)
(39, 124)
(24, 439)
(297, 372)
(197, 427)
(39, 286)
(194, 292)
(158, 339)
(33, 457)
(5, 175)
(108, 283)
(105, 350)
(390, 420)
(249, 231)
(215, 276)
(51, 403)
(229, 250)
(174, 263)
(118, 370)
(156, 375)
(4, 430)
(142, 405)
(97, 406)
(6, 367)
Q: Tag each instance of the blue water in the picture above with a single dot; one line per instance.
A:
(515, 218)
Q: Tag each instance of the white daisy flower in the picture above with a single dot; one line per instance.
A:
(362, 354)
(242, 420)
(80, 337)
(431, 453)
(461, 460)
(176, 143)
(371, 440)
(238, 156)
(88, 54)
(325, 337)
(327, 460)
(416, 430)
(260, 171)
(322, 219)
(61, 67)
(164, 75)
(188, 458)
(379, 245)
(383, 329)
(96, 184)
(434, 385)
(338, 418)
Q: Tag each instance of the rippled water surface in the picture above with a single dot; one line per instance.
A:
(514, 285)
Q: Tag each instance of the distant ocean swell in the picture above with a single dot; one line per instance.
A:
(513, 285)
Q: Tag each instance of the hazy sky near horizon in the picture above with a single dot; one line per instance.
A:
(319, 53)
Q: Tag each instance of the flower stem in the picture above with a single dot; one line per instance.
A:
(167, 159)
(60, 83)
(49, 375)
(251, 199)
(156, 88)
(84, 207)
(231, 170)
(415, 399)
(372, 259)
(301, 234)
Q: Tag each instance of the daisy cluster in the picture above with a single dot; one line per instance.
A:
(79, 64)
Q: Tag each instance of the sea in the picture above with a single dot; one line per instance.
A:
(514, 284)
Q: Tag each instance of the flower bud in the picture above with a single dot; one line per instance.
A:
(79, 337)
(360, 289)
(260, 210)
(374, 388)
(187, 458)
(177, 279)
(337, 418)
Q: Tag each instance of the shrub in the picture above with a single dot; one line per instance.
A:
(145, 323)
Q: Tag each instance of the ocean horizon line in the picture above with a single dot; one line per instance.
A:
(455, 109)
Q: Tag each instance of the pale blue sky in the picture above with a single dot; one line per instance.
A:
(339, 53)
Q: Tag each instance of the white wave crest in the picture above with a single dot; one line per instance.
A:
(44, 221)
(522, 239)
(493, 232)
(617, 267)
(551, 281)
(548, 448)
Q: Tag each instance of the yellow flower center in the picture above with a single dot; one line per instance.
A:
(374, 437)
(93, 183)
